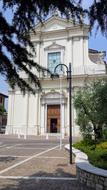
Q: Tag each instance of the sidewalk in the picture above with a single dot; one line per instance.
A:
(36, 165)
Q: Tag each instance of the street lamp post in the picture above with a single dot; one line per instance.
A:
(69, 78)
(70, 111)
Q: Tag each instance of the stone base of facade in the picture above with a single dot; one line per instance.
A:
(37, 131)
(22, 130)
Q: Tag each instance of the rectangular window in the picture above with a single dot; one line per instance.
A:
(54, 59)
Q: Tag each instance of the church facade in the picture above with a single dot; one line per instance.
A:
(57, 41)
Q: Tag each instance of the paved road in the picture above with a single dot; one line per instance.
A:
(36, 163)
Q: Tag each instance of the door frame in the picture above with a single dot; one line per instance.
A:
(48, 123)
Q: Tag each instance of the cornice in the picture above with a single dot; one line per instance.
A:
(39, 41)
(67, 31)
(53, 46)
(81, 76)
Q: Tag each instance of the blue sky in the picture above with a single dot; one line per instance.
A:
(96, 41)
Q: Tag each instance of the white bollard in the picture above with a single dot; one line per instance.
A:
(18, 136)
(25, 136)
(60, 141)
(47, 137)
(18, 132)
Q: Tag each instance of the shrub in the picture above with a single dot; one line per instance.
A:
(102, 145)
(98, 158)
(97, 154)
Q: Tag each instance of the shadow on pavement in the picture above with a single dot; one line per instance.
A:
(43, 184)
(7, 159)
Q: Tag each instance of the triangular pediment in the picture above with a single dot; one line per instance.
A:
(54, 46)
(54, 23)
(53, 94)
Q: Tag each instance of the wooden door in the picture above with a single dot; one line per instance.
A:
(53, 118)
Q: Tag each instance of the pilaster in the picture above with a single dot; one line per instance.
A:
(42, 121)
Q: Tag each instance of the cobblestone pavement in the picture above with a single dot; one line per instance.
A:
(36, 163)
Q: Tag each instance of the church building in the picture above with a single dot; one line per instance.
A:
(57, 41)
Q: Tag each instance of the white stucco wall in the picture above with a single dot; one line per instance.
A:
(20, 105)
(28, 113)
